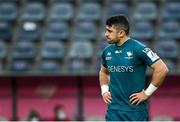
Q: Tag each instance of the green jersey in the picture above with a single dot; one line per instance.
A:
(127, 69)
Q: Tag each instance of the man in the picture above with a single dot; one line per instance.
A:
(122, 73)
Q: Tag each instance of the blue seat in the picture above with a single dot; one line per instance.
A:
(10, 1)
(171, 11)
(33, 12)
(42, 1)
(118, 1)
(5, 31)
(171, 65)
(169, 29)
(29, 31)
(57, 31)
(8, 11)
(24, 50)
(117, 8)
(1, 67)
(142, 30)
(86, 1)
(53, 50)
(20, 66)
(167, 48)
(77, 66)
(145, 11)
(85, 30)
(89, 12)
(101, 44)
(49, 66)
(3, 50)
(60, 1)
(61, 12)
(81, 49)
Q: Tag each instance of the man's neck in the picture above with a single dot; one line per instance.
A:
(123, 40)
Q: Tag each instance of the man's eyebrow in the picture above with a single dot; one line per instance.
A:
(108, 29)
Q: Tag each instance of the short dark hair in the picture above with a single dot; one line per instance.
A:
(119, 21)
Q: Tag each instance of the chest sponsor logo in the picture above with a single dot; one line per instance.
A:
(120, 68)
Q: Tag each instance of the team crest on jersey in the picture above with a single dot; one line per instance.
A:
(129, 55)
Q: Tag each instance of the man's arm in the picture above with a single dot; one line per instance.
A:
(160, 71)
(104, 83)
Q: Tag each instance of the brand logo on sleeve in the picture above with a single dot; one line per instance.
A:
(146, 50)
(153, 56)
(109, 53)
(108, 57)
(118, 51)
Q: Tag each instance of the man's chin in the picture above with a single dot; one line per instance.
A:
(110, 42)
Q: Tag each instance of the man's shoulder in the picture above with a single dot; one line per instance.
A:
(108, 47)
(137, 43)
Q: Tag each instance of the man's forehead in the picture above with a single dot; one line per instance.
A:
(110, 27)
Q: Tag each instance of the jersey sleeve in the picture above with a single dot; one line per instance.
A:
(147, 55)
(103, 61)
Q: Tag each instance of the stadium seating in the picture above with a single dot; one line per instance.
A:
(81, 49)
(20, 66)
(60, 1)
(169, 29)
(24, 50)
(12, 1)
(171, 66)
(34, 11)
(57, 31)
(8, 11)
(145, 11)
(3, 50)
(61, 12)
(171, 10)
(75, 65)
(85, 30)
(52, 50)
(49, 66)
(65, 38)
(29, 31)
(102, 43)
(142, 30)
(5, 31)
(69, 21)
(89, 12)
(117, 8)
(167, 48)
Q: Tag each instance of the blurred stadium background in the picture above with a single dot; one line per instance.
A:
(50, 54)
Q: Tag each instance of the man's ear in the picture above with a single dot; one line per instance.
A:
(121, 33)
